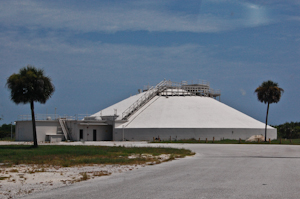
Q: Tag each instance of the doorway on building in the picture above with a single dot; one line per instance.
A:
(81, 134)
(94, 135)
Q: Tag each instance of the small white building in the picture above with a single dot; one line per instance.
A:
(167, 111)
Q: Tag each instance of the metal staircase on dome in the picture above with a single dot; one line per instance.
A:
(148, 95)
(169, 88)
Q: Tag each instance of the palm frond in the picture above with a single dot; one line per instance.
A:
(269, 92)
(30, 84)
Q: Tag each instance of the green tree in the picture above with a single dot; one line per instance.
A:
(290, 130)
(268, 92)
(6, 130)
(28, 86)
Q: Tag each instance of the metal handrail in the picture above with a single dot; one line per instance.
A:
(212, 91)
(65, 129)
(51, 117)
(149, 94)
(152, 91)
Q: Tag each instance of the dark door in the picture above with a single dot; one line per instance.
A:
(81, 134)
(94, 135)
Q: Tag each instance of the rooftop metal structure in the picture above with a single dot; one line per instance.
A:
(169, 88)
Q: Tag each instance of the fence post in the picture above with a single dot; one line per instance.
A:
(206, 140)
(213, 139)
(269, 141)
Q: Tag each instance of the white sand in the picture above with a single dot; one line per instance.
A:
(21, 180)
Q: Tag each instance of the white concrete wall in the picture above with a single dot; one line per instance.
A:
(103, 132)
(188, 133)
(24, 130)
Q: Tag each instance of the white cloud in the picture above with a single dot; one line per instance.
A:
(112, 18)
(92, 58)
(296, 18)
(243, 92)
(88, 61)
(256, 15)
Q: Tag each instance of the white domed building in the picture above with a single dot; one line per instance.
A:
(181, 111)
(168, 111)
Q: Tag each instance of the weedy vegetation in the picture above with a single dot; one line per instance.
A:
(67, 156)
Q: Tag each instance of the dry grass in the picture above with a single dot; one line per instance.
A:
(3, 177)
(67, 156)
(85, 176)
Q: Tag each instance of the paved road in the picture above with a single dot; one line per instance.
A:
(216, 171)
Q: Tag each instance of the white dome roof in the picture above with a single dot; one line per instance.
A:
(182, 112)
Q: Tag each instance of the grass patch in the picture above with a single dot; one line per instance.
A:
(228, 141)
(85, 176)
(80, 155)
(101, 173)
(3, 177)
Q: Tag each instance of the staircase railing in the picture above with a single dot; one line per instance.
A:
(149, 94)
(64, 128)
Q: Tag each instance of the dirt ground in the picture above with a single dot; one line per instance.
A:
(21, 180)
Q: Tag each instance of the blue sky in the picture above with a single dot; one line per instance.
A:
(100, 52)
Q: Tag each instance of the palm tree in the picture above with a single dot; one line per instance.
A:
(268, 92)
(29, 86)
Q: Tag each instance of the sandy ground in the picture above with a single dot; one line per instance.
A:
(21, 180)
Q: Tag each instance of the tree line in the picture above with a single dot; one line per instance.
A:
(5, 131)
(289, 130)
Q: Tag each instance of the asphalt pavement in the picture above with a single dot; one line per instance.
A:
(216, 171)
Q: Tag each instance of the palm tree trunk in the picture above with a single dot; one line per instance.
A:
(35, 144)
(266, 122)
